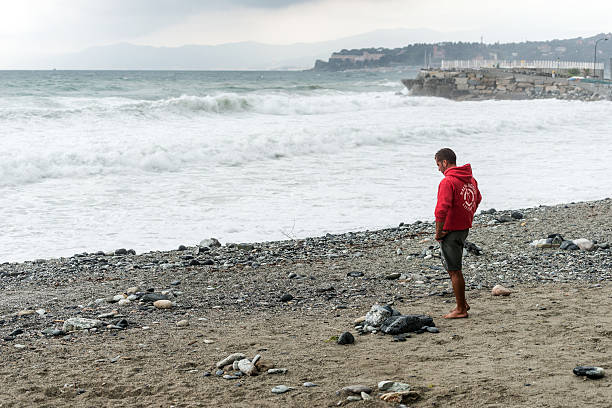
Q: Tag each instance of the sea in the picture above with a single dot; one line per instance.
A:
(101, 160)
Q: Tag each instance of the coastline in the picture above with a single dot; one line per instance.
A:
(235, 303)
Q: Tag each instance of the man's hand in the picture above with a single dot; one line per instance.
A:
(440, 234)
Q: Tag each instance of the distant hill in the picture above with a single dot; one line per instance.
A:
(419, 54)
(233, 56)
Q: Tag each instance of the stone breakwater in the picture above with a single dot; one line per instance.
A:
(499, 84)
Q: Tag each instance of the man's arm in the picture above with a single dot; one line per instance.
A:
(445, 201)
(440, 233)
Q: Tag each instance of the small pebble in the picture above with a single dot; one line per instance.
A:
(309, 384)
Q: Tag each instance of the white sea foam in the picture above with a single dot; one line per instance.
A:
(151, 168)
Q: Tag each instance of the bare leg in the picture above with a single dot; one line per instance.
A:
(459, 288)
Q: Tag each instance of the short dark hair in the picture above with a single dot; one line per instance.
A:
(446, 154)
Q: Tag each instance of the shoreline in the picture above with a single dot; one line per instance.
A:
(402, 226)
(300, 295)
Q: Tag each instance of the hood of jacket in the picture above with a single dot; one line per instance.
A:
(463, 173)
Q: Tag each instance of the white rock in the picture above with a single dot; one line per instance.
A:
(230, 359)
(365, 396)
(117, 298)
(124, 302)
(132, 290)
(247, 367)
(584, 244)
(182, 323)
(277, 371)
(20, 346)
(281, 389)
(499, 290)
(377, 315)
(41, 312)
(80, 323)
(163, 304)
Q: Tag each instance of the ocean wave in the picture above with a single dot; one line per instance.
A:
(315, 102)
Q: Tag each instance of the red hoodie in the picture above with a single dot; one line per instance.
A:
(458, 198)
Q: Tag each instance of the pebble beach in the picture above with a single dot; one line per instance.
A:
(149, 329)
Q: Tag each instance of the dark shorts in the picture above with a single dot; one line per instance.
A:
(452, 249)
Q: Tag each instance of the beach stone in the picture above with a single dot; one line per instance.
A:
(121, 251)
(346, 338)
(80, 323)
(365, 396)
(182, 323)
(593, 373)
(584, 244)
(123, 302)
(230, 359)
(393, 276)
(231, 377)
(219, 373)
(277, 371)
(517, 215)
(433, 330)
(352, 398)
(153, 297)
(280, 389)
(355, 274)
(247, 367)
(393, 386)
(309, 384)
(569, 246)
(286, 297)
(400, 397)
(357, 389)
(163, 304)
(499, 290)
(292, 275)
(359, 320)
(16, 332)
(406, 323)
(22, 313)
(210, 243)
(377, 315)
(133, 290)
(503, 218)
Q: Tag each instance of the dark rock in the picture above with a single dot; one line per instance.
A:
(208, 262)
(286, 297)
(393, 276)
(355, 274)
(9, 338)
(206, 374)
(194, 262)
(131, 252)
(121, 251)
(490, 211)
(122, 323)
(568, 245)
(473, 248)
(182, 247)
(16, 332)
(153, 297)
(433, 330)
(326, 289)
(406, 323)
(517, 215)
(503, 218)
(346, 338)
(590, 372)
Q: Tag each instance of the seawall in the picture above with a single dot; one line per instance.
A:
(483, 84)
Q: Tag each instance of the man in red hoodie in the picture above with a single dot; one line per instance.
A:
(458, 199)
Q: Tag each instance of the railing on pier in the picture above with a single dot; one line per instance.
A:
(505, 64)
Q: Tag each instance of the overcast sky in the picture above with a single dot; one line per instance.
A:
(33, 28)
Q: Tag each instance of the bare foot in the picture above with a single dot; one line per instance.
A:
(467, 307)
(456, 314)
